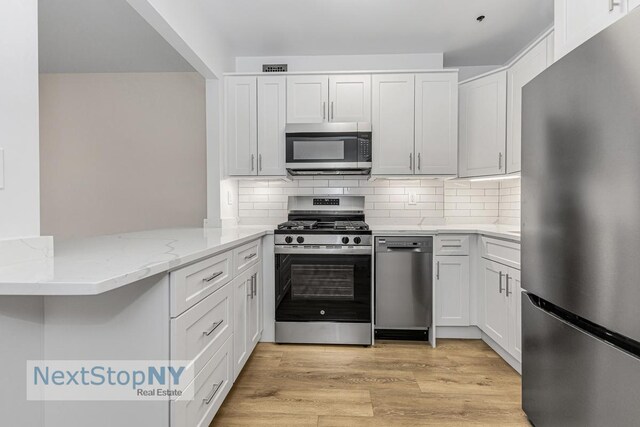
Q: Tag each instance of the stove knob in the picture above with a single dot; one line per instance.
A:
(345, 240)
(288, 239)
(300, 239)
(357, 240)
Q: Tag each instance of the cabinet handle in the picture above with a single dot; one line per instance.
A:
(507, 282)
(499, 161)
(253, 158)
(419, 162)
(324, 111)
(260, 162)
(613, 4)
(410, 161)
(215, 326)
(437, 270)
(214, 390)
(255, 284)
(451, 246)
(500, 289)
(213, 276)
(331, 110)
(248, 257)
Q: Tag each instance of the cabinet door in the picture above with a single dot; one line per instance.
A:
(272, 110)
(392, 124)
(514, 291)
(241, 337)
(307, 99)
(436, 128)
(578, 20)
(521, 73)
(254, 316)
(483, 120)
(633, 4)
(241, 125)
(452, 291)
(496, 311)
(350, 98)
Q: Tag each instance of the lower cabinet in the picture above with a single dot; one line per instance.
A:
(501, 318)
(452, 291)
(247, 315)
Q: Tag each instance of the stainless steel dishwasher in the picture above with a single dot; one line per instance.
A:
(403, 287)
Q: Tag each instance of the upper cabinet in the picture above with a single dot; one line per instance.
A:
(241, 125)
(255, 112)
(436, 124)
(482, 125)
(578, 20)
(525, 69)
(322, 98)
(392, 124)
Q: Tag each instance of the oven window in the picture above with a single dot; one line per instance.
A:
(318, 150)
(325, 282)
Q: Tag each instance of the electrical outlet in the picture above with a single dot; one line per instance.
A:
(229, 198)
(413, 198)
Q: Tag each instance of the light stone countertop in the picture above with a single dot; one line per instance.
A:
(94, 265)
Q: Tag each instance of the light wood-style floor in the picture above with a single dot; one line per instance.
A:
(459, 383)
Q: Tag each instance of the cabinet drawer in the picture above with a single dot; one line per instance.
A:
(194, 283)
(502, 251)
(209, 387)
(198, 333)
(452, 244)
(246, 255)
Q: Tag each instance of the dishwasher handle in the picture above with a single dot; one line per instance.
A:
(404, 249)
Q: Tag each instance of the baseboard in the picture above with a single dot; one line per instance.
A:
(459, 332)
(502, 353)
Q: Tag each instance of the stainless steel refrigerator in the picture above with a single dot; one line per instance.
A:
(581, 235)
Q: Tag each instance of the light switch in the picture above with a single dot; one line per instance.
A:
(1, 168)
(413, 197)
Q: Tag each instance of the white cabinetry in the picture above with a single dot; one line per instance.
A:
(241, 125)
(522, 72)
(578, 20)
(452, 291)
(322, 98)
(436, 123)
(482, 125)
(514, 295)
(247, 313)
(272, 112)
(495, 321)
(633, 4)
(393, 124)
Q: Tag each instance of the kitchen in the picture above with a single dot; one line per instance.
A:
(317, 222)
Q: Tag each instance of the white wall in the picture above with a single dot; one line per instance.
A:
(419, 61)
(19, 199)
(122, 152)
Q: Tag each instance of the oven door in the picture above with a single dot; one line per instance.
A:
(323, 287)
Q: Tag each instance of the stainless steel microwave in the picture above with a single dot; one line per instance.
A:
(328, 149)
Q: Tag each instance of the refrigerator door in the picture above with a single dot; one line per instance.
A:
(581, 177)
(570, 378)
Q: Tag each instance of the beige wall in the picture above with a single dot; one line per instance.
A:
(121, 152)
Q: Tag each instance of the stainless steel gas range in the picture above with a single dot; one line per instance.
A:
(323, 258)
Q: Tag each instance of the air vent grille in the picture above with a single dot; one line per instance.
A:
(274, 68)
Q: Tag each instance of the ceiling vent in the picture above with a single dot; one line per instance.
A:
(274, 68)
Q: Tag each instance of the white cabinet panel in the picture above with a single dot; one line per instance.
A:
(452, 291)
(633, 4)
(350, 98)
(247, 315)
(272, 118)
(483, 115)
(307, 99)
(578, 20)
(255, 307)
(521, 73)
(393, 124)
(495, 319)
(514, 295)
(241, 125)
(436, 124)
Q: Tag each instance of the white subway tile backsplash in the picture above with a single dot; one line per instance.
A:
(386, 200)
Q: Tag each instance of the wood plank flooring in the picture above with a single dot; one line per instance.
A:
(460, 383)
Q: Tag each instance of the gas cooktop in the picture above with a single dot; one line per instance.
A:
(323, 226)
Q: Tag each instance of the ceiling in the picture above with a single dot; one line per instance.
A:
(347, 27)
(88, 36)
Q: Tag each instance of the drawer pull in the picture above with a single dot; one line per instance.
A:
(214, 390)
(213, 276)
(248, 257)
(451, 246)
(213, 328)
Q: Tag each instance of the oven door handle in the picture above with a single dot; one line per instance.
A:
(357, 250)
